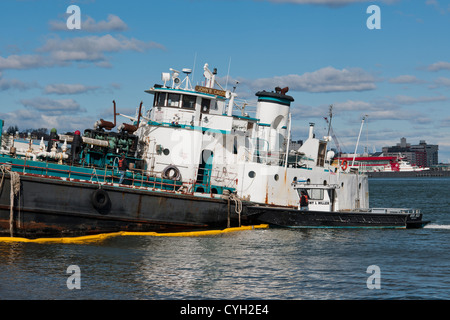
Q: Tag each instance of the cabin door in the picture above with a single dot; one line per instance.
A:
(204, 170)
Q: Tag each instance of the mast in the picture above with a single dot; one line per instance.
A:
(357, 142)
(331, 116)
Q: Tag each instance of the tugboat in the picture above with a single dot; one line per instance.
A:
(188, 163)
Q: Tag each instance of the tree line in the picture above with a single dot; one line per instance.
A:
(34, 133)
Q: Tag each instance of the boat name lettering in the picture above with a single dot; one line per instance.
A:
(321, 202)
(212, 91)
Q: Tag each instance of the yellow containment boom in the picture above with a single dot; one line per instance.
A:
(103, 236)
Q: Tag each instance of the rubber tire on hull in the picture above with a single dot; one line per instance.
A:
(101, 201)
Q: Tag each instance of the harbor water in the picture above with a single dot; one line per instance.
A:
(275, 264)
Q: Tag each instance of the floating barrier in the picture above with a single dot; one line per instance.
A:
(103, 236)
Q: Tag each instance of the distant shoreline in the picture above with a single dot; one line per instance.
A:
(410, 174)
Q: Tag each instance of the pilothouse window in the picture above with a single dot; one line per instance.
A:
(189, 102)
(206, 105)
(160, 99)
(173, 100)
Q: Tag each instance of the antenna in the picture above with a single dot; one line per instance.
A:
(228, 74)
(187, 72)
(331, 117)
(193, 67)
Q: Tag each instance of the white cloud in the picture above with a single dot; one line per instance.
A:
(438, 66)
(88, 24)
(31, 118)
(327, 79)
(441, 82)
(388, 108)
(92, 48)
(405, 79)
(53, 107)
(68, 88)
(7, 84)
(22, 62)
(400, 99)
(438, 7)
(13, 84)
(60, 52)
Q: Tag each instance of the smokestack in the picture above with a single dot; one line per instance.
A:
(311, 130)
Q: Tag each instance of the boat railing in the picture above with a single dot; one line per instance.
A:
(208, 180)
(212, 181)
(390, 210)
(135, 178)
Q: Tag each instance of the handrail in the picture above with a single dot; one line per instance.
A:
(135, 178)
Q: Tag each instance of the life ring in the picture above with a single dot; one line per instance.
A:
(172, 173)
(344, 165)
(100, 200)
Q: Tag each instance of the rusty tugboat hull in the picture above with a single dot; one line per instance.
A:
(51, 207)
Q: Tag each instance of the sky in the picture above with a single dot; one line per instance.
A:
(390, 66)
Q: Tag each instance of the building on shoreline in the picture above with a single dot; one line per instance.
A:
(422, 154)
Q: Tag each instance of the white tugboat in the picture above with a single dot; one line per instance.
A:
(192, 163)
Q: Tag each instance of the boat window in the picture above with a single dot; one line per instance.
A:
(214, 105)
(247, 143)
(321, 154)
(313, 194)
(189, 102)
(160, 99)
(206, 105)
(173, 100)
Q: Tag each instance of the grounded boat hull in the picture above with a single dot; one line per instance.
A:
(48, 207)
(56, 207)
(293, 218)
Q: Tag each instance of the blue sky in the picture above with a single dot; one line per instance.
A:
(322, 50)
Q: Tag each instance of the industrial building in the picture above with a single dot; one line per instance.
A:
(422, 154)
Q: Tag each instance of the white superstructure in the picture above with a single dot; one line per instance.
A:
(195, 131)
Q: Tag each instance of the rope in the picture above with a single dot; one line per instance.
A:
(15, 189)
(237, 205)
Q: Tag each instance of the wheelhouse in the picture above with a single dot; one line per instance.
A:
(187, 100)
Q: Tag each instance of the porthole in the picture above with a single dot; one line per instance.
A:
(252, 174)
(166, 152)
(276, 177)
